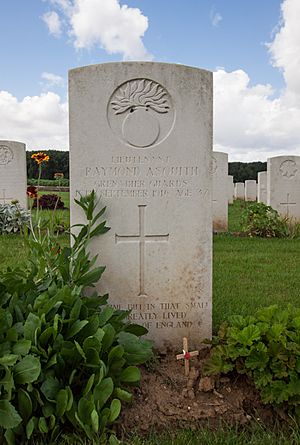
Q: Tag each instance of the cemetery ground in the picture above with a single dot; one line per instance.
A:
(248, 273)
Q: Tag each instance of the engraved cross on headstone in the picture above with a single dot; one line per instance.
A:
(142, 239)
(287, 204)
(4, 198)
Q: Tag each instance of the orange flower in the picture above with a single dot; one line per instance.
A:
(40, 157)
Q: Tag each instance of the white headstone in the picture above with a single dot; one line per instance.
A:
(220, 191)
(230, 189)
(13, 173)
(141, 136)
(239, 190)
(250, 190)
(262, 187)
(284, 185)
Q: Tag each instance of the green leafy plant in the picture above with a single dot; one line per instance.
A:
(13, 218)
(262, 220)
(67, 360)
(266, 347)
(62, 182)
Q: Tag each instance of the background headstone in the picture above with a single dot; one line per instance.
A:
(262, 187)
(230, 189)
(250, 190)
(220, 191)
(141, 136)
(239, 190)
(13, 176)
(284, 185)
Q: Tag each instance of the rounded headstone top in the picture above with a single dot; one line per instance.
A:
(7, 149)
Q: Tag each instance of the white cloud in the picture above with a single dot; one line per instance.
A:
(107, 24)
(249, 122)
(215, 17)
(39, 121)
(53, 23)
(52, 80)
(285, 48)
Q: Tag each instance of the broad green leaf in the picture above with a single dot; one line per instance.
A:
(43, 427)
(27, 370)
(85, 408)
(61, 402)
(70, 399)
(12, 334)
(92, 358)
(30, 427)
(216, 364)
(92, 342)
(9, 417)
(103, 391)
(113, 440)
(50, 388)
(95, 420)
(137, 350)
(109, 337)
(52, 422)
(136, 329)
(10, 437)
(45, 335)
(80, 350)
(122, 394)
(115, 409)
(32, 323)
(89, 385)
(75, 311)
(257, 359)
(247, 335)
(8, 360)
(115, 353)
(91, 277)
(130, 375)
(24, 404)
(8, 382)
(48, 409)
(105, 315)
(76, 327)
(22, 347)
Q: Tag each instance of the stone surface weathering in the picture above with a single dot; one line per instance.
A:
(13, 176)
(141, 136)
(284, 185)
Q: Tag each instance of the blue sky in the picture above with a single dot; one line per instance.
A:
(42, 39)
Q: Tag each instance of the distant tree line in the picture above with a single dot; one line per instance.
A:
(241, 171)
(59, 163)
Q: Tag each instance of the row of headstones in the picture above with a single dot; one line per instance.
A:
(246, 191)
(278, 187)
(141, 136)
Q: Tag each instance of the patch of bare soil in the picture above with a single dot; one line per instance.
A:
(166, 399)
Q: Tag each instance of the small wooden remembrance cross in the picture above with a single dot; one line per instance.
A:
(186, 356)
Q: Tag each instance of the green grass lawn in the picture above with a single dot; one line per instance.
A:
(247, 273)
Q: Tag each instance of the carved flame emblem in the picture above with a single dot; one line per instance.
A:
(142, 112)
(141, 93)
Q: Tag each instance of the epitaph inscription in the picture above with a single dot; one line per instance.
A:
(141, 137)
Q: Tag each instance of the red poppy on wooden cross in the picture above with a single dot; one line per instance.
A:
(186, 356)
